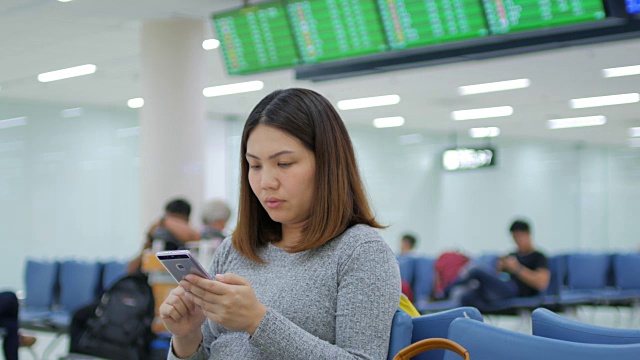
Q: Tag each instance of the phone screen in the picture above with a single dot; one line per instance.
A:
(180, 263)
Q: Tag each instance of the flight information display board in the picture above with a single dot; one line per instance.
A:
(505, 16)
(411, 23)
(335, 29)
(633, 6)
(256, 38)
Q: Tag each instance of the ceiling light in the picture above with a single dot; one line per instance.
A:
(67, 73)
(634, 142)
(604, 100)
(484, 132)
(210, 44)
(494, 86)
(484, 113)
(75, 112)
(135, 103)
(576, 122)
(64, 0)
(410, 139)
(386, 122)
(368, 102)
(19, 121)
(634, 132)
(621, 71)
(233, 88)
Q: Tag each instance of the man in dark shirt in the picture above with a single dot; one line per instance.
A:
(172, 229)
(522, 273)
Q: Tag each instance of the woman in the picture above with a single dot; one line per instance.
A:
(305, 275)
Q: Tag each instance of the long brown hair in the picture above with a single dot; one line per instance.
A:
(339, 198)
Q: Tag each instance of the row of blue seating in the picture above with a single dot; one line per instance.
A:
(576, 279)
(554, 337)
(55, 289)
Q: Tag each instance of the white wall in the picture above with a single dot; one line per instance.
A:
(69, 188)
(577, 197)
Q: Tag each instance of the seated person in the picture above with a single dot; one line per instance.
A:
(172, 229)
(9, 322)
(406, 261)
(525, 273)
(215, 215)
(407, 244)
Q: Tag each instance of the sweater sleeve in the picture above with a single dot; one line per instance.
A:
(368, 295)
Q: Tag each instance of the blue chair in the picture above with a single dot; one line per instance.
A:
(112, 271)
(551, 325)
(401, 328)
(437, 326)
(41, 279)
(486, 342)
(423, 288)
(407, 268)
(586, 279)
(423, 279)
(626, 268)
(79, 286)
(557, 268)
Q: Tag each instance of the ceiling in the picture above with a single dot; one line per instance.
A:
(45, 35)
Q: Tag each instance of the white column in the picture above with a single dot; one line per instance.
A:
(172, 121)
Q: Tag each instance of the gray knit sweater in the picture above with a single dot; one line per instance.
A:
(333, 302)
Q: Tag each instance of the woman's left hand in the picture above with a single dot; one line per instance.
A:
(230, 301)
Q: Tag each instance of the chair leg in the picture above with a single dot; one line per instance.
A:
(635, 314)
(594, 312)
(524, 323)
(572, 312)
(47, 352)
(492, 320)
(33, 353)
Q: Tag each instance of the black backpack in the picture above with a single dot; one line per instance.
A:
(121, 328)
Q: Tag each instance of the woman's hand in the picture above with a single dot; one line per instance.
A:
(230, 301)
(180, 314)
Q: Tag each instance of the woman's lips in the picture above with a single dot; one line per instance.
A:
(274, 203)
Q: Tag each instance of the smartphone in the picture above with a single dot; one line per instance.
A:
(180, 263)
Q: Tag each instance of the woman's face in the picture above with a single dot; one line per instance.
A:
(281, 174)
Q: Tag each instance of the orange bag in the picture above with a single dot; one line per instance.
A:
(431, 344)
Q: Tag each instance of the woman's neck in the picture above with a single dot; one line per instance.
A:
(291, 235)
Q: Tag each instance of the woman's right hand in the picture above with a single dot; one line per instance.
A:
(180, 315)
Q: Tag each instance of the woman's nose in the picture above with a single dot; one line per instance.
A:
(269, 179)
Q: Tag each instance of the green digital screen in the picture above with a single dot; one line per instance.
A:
(256, 38)
(505, 16)
(335, 29)
(412, 23)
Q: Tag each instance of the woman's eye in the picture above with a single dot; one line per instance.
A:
(284, 164)
(254, 167)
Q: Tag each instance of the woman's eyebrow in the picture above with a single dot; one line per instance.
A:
(271, 156)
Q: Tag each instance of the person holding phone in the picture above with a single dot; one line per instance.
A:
(522, 273)
(305, 275)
